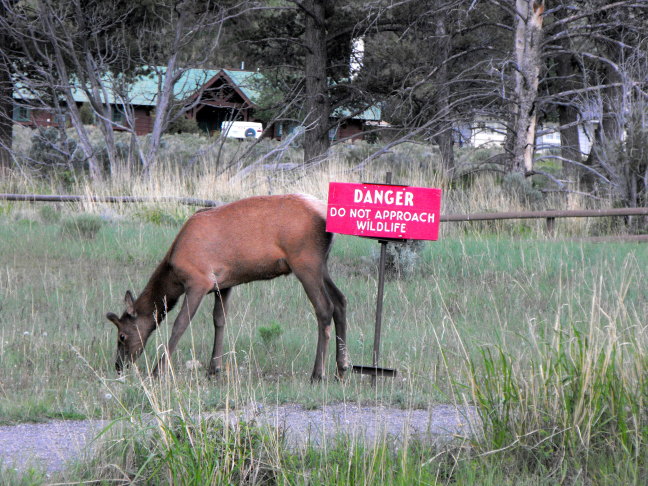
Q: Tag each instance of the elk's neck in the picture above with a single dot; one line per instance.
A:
(160, 294)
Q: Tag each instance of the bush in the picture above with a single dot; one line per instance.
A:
(121, 151)
(183, 125)
(159, 217)
(49, 151)
(87, 115)
(522, 188)
(403, 257)
(83, 226)
(49, 214)
(270, 334)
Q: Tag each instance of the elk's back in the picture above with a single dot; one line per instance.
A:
(251, 239)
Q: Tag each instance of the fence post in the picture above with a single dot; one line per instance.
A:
(551, 226)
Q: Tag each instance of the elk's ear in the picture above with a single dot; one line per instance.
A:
(130, 304)
(113, 318)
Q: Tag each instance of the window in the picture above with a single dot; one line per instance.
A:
(60, 120)
(117, 115)
(21, 113)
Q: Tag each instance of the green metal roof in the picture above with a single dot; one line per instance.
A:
(143, 90)
(373, 113)
(247, 81)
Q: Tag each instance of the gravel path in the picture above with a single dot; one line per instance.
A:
(365, 424)
(50, 445)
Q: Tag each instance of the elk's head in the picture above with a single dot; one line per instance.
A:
(131, 334)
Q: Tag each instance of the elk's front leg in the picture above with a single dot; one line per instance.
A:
(190, 305)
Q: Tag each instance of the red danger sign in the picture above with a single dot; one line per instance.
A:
(384, 211)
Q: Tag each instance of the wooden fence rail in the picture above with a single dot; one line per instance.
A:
(107, 199)
(550, 215)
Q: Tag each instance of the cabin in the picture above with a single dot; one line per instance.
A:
(349, 126)
(213, 96)
(227, 95)
(486, 132)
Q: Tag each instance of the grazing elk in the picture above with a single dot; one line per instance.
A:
(257, 238)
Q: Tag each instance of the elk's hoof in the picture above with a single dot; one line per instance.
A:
(158, 371)
(316, 378)
(214, 372)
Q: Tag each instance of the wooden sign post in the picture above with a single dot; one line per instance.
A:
(386, 212)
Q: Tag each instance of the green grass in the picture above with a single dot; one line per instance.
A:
(546, 338)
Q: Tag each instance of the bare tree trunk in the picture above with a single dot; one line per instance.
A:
(100, 103)
(444, 139)
(528, 39)
(318, 107)
(6, 112)
(161, 111)
(6, 103)
(570, 148)
(606, 146)
(569, 77)
(569, 139)
(62, 71)
(91, 71)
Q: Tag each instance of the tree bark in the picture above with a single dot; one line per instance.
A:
(6, 105)
(318, 107)
(64, 77)
(165, 95)
(606, 151)
(6, 114)
(568, 113)
(528, 40)
(444, 139)
(161, 112)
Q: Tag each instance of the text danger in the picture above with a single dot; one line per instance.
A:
(384, 211)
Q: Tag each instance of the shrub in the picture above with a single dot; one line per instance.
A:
(159, 217)
(87, 115)
(49, 214)
(49, 151)
(403, 257)
(270, 334)
(122, 150)
(83, 226)
(522, 188)
(183, 125)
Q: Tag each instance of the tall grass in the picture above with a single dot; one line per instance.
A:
(197, 166)
(575, 406)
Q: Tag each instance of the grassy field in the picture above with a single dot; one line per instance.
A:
(547, 338)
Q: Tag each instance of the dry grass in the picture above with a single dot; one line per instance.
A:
(199, 167)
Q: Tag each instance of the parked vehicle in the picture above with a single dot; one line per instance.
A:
(241, 129)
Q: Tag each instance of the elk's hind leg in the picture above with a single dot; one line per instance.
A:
(220, 308)
(312, 279)
(339, 316)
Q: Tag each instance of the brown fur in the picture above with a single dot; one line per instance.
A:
(257, 238)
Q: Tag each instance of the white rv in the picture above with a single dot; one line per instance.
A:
(241, 129)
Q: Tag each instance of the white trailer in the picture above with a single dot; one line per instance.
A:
(241, 129)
